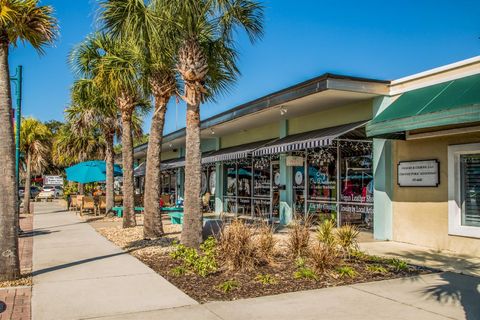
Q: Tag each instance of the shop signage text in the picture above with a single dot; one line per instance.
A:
(423, 173)
(294, 161)
(52, 181)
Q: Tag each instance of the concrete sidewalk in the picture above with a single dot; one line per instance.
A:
(435, 296)
(423, 256)
(79, 274)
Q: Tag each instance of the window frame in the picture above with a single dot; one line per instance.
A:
(455, 226)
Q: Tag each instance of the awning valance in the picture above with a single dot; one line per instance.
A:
(139, 171)
(173, 163)
(312, 139)
(233, 153)
(448, 103)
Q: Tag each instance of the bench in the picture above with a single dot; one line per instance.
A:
(176, 217)
(119, 210)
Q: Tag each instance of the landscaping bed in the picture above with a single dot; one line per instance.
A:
(246, 262)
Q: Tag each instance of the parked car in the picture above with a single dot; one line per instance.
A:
(56, 190)
(34, 191)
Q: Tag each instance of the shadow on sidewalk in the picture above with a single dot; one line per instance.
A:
(460, 289)
(75, 263)
(34, 233)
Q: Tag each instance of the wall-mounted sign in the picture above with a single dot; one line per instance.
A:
(424, 173)
(293, 161)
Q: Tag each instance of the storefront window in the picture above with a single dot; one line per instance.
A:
(322, 175)
(244, 188)
(356, 197)
(470, 189)
(230, 198)
(212, 181)
(276, 190)
(261, 187)
(299, 190)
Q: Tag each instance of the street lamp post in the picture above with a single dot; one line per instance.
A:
(18, 78)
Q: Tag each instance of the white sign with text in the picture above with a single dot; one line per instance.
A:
(423, 173)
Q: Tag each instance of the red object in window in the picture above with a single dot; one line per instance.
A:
(162, 203)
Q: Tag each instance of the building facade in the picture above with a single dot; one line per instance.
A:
(395, 157)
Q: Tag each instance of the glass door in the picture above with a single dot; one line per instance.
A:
(275, 210)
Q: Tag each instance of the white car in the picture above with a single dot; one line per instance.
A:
(51, 192)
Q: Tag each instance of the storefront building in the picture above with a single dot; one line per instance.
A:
(400, 157)
(427, 159)
(300, 151)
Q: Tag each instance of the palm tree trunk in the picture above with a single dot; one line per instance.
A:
(192, 221)
(9, 262)
(28, 179)
(81, 189)
(109, 160)
(152, 224)
(127, 158)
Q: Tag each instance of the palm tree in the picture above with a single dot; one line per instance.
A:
(35, 140)
(207, 63)
(93, 109)
(113, 66)
(23, 21)
(144, 24)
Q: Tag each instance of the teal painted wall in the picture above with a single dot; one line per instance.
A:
(383, 193)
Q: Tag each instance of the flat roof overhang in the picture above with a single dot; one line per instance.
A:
(321, 93)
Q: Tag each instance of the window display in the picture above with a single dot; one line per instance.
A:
(470, 189)
(261, 187)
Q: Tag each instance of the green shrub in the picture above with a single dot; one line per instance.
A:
(202, 263)
(377, 269)
(178, 271)
(325, 232)
(398, 265)
(347, 238)
(228, 285)
(346, 271)
(266, 279)
(305, 273)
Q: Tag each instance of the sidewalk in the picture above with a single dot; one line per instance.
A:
(17, 299)
(442, 260)
(79, 274)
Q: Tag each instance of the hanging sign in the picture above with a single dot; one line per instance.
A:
(293, 161)
(424, 173)
(52, 181)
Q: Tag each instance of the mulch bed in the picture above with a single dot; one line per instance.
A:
(206, 289)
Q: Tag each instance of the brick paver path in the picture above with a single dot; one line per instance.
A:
(18, 299)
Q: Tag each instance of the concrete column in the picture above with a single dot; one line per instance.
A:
(383, 193)
(219, 187)
(286, 196)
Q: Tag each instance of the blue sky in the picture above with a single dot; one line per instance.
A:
(303, 39)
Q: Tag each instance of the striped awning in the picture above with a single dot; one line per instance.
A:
(139, 171)
(172, 164)
(307, 140)
(234, 153)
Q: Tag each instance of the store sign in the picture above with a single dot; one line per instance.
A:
(294, 161)
(418, 173)
(52, 181)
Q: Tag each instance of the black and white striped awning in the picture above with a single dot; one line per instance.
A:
(234, 153)
(172, 164)
(307, 140)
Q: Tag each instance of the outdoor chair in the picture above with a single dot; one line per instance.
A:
(102, 205)
(206, 202)
(79, 202)
(118, 200)
(87, 204)
(73, 203)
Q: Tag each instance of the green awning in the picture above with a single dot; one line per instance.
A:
(447, 103)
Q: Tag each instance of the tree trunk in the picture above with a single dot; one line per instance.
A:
(127, 158)
(9, 260)
(109, 160)
(28, 179)
(152, 223)
(81, 189)
(192, 221)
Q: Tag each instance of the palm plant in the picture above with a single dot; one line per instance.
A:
(145, 25)
(35, 144)
(113, 66)
(207, 63)
(94, 109)
(23, 21)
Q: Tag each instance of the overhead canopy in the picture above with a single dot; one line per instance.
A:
(448, 103)
(173, 163)
(233, 153)
(140, 170)
(90, 171)
(306, 140)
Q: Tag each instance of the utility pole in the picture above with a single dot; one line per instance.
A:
(18, 78)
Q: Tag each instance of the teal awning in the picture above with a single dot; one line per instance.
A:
(448, 103)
